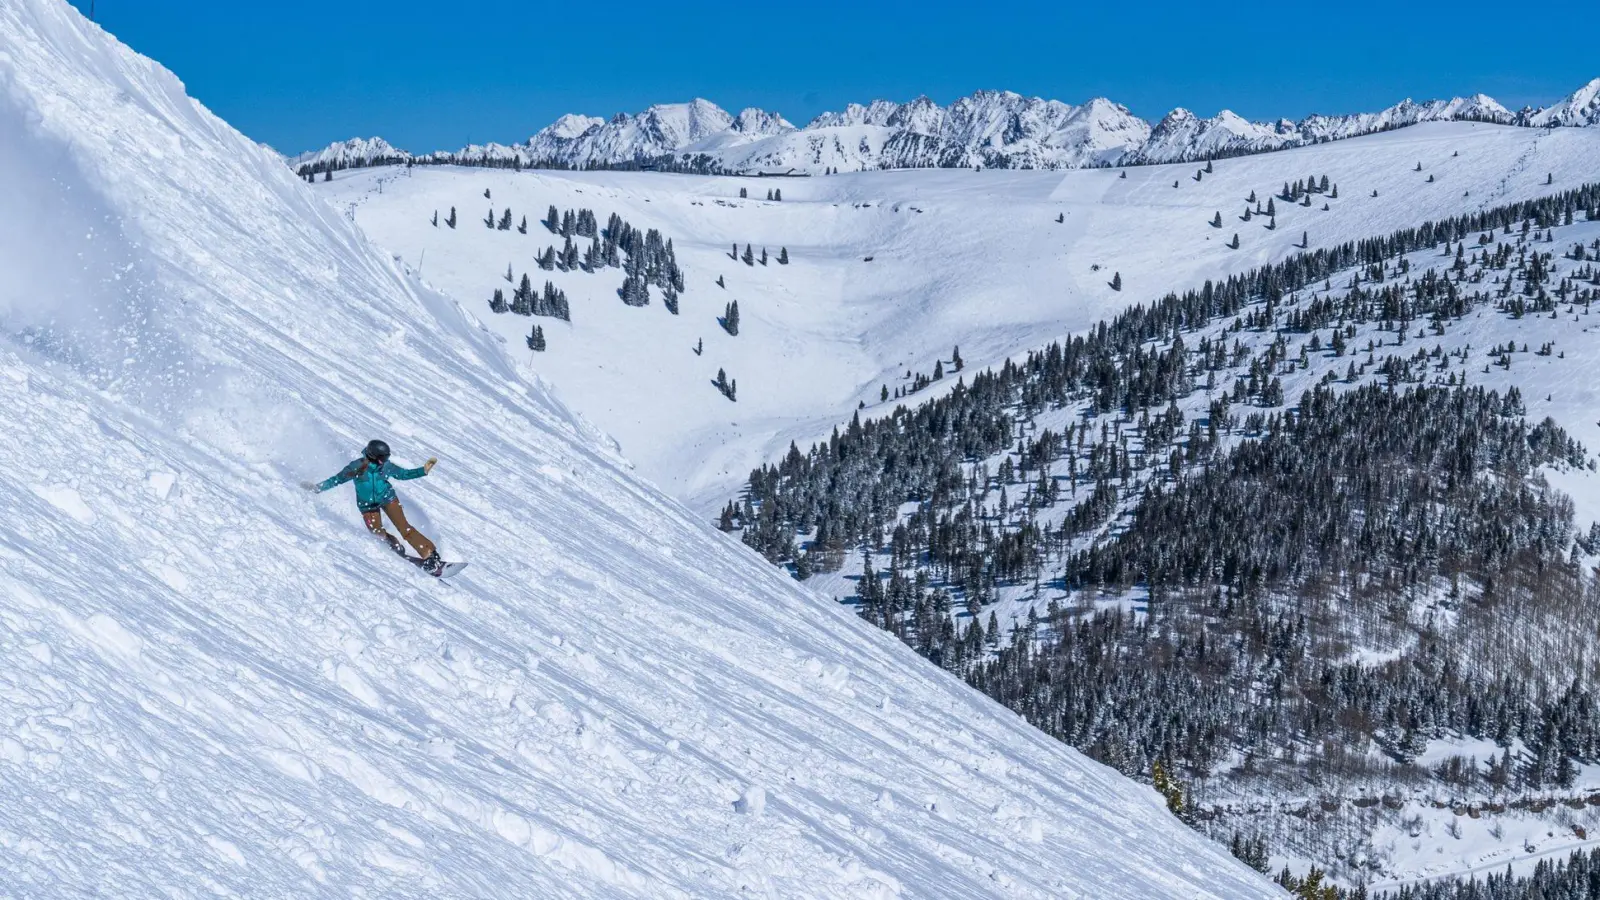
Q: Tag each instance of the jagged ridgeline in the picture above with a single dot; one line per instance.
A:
(1267, 542)
(645, 258)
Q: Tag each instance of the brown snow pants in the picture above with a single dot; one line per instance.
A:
(374, 520)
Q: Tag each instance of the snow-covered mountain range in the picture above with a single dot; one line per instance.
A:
(995, 129)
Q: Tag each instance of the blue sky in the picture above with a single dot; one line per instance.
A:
(436, 75)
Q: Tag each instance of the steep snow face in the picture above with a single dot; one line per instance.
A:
(1182, 135)
(659, 130)
(213, 683)
(1580, 109)
(875, 113)
(570, 126)
(760, 122)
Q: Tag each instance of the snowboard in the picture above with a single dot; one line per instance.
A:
(449, 570)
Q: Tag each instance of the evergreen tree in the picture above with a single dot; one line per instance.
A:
(749, 257)
(505, 220)
(497, 303)
(730, 318)
(436, 218)
(783, 256)
(1168, 787)
(536, 339)
(522, 227)
(522, 297)
(777, 194)
(763, 256)
(452, 220)
(1116, 281)
(955, 358)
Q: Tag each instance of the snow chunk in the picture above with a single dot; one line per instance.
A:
(109, 634)
(753, 802)
(68, 500)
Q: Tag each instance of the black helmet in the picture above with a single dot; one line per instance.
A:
(377, 451)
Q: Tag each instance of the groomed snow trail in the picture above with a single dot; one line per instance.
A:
(212, 684)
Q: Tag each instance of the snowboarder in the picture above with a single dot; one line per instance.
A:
(376, 497)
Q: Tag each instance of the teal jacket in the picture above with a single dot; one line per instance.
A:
(372, 481)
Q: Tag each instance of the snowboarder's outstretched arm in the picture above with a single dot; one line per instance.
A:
(347, 473)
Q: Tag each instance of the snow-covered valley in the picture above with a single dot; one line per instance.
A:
(215, 685)
(977, 260)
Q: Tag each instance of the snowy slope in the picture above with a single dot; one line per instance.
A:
(988, 128)
(213, 685)
(958, 257)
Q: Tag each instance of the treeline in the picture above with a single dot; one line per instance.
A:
(1575, 878)
(682, 163)
(851, 487)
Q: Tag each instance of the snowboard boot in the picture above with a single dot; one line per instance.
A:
(433, 565)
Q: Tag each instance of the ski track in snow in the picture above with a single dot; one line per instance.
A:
(215, 685)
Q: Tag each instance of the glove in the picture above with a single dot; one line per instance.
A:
(428, 466)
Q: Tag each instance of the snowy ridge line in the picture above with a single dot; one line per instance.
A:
(996, 129)
(1138, 316)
